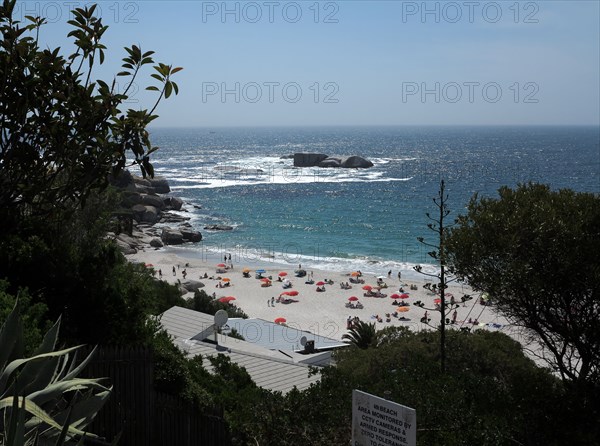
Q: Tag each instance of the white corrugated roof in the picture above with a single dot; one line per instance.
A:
(270, 369)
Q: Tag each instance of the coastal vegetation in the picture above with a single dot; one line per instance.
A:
(62, 135)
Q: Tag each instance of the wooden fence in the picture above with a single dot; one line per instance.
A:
(140, 414)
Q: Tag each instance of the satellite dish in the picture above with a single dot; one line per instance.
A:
(221, 318)
(303, 341)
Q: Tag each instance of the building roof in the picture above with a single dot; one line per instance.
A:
(279, 337)
(270, 369)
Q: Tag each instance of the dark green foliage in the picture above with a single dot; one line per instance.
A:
(362, 334)
(535, 251)
(207, 304)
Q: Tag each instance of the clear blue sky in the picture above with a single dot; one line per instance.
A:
(359, 62)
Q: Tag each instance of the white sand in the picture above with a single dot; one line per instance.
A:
(323, 313)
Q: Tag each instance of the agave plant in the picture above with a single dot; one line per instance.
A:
(42, 401)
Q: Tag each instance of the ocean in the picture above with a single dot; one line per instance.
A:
(354, 219)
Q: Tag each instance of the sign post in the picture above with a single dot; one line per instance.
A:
(379, 422)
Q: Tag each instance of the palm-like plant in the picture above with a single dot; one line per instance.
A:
(362, 334)
(41, 398)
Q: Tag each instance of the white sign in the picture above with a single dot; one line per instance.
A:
(379, 422)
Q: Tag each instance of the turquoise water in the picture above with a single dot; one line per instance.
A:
(346, 219)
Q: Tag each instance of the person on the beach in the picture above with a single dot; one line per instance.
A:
(160, 273)
(389, 274)
(399, 275)
(174, 271)
(184, 273)
(273, 301)
(454, 317)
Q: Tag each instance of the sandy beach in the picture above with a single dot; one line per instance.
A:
(322, 313)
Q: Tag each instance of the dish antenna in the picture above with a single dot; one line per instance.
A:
(303, 341)
(221, 318)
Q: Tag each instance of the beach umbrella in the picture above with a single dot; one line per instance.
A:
(355, 274)
(226, 299)
(437, 301)
(381, 277)
(402, 309)
(149, 265)
(353, 298)
(265, 279)
(280, 320)
(321, 283)
(246, 270)
(395, 296)
(289, 293)
(221, 265)
(226, 279)
(282, 274)
(404, 296)
(367, 287)
(260, 271)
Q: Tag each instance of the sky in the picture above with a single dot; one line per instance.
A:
(283, 63)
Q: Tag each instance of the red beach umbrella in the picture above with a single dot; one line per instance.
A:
(149, 265)
(265, 279)
(280, 320)
(437, 301)
(395, 296)
(282, 274)
(404, 296)
(367, 287)
(353, 298)
(227, 299)
(291, 293)
(321, 283)
(221, 265)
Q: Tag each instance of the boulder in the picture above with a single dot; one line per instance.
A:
(192, 286)
(139, 181)
(356, 162)
(125, 247)
(150, 214)
(156, 243)
(159, 185)
(190, 235)
(171, 237)
(308, 159)
(121, 180)
(124, 238)
(176, 203)
(138, 211)
(219, 227)
(331, 162)
(153, 200)
(131, 198)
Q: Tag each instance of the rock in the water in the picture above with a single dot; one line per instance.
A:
(153, 200)
(156, 243)
(331, 162)
(138, 212)
(356, 162)
(176, 203)
(219, 227)
(171, 237)
(190, 235)
(308, 159)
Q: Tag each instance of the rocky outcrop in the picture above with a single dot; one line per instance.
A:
(219, 228)
(142, 206)
(321, 160)
(190, 235)
(356, 162)
(171, 236)
(308, 159)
